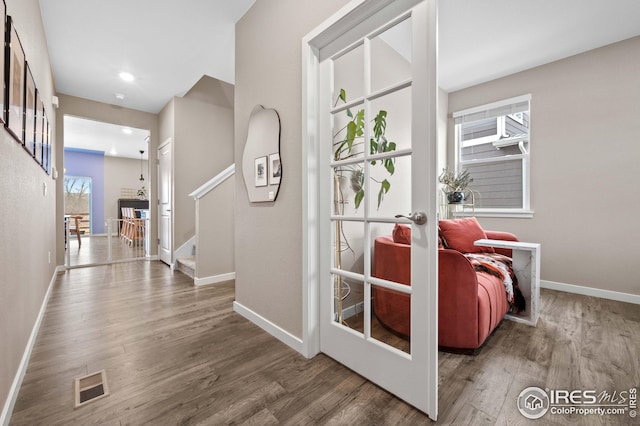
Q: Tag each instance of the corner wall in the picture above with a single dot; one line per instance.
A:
(584, 164)
(28, 211)
(268, 236)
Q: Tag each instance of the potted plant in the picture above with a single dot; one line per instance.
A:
(455, 184)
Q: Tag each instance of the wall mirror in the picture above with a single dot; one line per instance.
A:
(261, 165)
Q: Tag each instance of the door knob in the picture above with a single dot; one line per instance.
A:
(419, 218)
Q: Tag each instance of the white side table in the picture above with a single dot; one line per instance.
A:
(526, 266)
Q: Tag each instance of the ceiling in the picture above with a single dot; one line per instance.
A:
(168, 45)
(113, 140)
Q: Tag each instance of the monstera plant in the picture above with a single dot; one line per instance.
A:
(347, 142)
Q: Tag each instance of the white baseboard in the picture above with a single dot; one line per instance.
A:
(279, 333)
(590, 291)
(214, 279)
(352, 310)
(10, 403)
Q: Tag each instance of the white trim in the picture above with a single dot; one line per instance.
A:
(184, 250)
(502, 213)
(310, 136)
(214, 279)
(279, 333)
(352, 310)
(591, 291)
(24, 363)
(214, 182)
(492, 105)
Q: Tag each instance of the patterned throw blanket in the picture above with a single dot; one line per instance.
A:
(500, 266)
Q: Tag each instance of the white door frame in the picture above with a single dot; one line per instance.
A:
(345, 23)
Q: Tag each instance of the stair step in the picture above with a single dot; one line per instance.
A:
(187, 265)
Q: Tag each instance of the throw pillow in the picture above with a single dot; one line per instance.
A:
(460, 234)
(401, 234)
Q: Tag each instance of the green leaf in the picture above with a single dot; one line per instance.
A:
(351, 134)
(389, 164)
(349, 113)
(380, 124)
(391, 147)
(384, 188)
(360, 122)
(343, 95)
(373, 146)
(359, 197)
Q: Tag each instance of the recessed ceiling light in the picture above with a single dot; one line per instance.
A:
(113, 151)
(127, 131)
(119, 96)
(126, 76)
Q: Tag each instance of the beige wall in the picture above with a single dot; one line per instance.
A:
(584, 154)
(121, 173)
(98, 111)
(28, 226)
(202, 148)
(215, 223)
(268, 236)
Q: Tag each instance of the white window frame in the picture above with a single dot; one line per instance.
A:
(525, 210)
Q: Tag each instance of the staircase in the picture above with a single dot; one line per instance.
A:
(187, 265)
(214, 228)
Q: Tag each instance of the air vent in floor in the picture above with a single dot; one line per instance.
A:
(91, 387)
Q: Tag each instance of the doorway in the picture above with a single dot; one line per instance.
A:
(372, 92)
(115, 160)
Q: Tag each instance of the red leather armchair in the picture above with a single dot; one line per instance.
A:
(470, 304)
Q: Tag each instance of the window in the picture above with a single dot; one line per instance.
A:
(492, 142)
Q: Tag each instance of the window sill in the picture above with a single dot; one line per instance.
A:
(506, 213)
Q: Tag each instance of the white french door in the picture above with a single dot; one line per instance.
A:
(376, 155)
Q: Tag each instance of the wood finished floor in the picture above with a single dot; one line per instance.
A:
(176, 354)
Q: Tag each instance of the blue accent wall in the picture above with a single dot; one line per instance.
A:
(84, 162)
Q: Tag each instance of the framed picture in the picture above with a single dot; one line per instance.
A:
(275, 169)
(260, 171)
(39, 130)
(3, 105)
(14, 79)
(46, 141)
(30, 116)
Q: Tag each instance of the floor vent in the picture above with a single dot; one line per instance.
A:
(91, 387)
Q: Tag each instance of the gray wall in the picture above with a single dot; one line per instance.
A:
(28, 228)
(84, 108)
(268, 236)
(584, 155)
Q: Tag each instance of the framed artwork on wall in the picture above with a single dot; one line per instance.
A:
(14, 79)
(275, 169)
(39, 130)
(30, 116)
(261, 171)
(3, 102)
(46, 135)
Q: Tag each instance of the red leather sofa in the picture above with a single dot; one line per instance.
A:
(470, 304)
